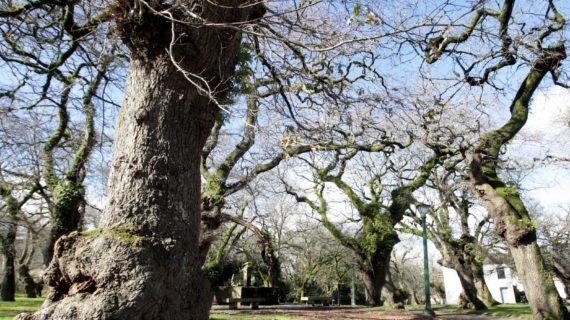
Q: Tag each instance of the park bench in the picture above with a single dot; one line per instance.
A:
(312, 300)
(235, 303)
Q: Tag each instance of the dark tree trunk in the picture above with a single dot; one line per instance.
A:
(144, 261)
(371, 284)
(8, 289)
(374, 276)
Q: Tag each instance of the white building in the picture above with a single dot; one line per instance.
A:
(499, 279)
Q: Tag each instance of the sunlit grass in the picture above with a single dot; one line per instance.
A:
(9, 310)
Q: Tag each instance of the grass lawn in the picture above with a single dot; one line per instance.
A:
(9, 310)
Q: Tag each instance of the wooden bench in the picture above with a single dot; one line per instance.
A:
(235, 303)
(312, 300)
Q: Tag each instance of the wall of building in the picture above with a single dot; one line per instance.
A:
(560, 288)
(501, 289)
(496, 286)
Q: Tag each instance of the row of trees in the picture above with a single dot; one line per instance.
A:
(356, 110)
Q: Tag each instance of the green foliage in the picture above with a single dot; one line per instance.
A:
(241, 82)
(213, 270)
(67, 196)
(212, 189)
(124, 234)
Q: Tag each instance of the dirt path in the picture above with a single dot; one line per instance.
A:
(333, 313)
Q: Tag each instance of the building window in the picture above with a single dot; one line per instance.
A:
(501, 273)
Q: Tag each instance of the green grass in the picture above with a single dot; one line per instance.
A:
(9, 310)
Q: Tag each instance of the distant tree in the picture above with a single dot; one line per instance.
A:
(379, 209)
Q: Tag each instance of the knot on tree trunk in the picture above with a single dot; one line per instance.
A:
(146, 27)
(66, 274)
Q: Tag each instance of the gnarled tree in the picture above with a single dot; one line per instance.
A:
(541, 49)
(378, 209)
(181, 62)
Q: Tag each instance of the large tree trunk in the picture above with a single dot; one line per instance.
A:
(373, 288)
(469, 288)
(482, 289)
(537, 282)
(394, 296)
(374, 276)
(8, 290)
(503, 202)
(144, 261)
(452, 258)
(476, 294)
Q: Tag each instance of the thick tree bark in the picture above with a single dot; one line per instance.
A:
(394, 296)
(8, 289)
(482, 289)
(469, 288)
(144, 261)
(512, 220)
(373, 287)
(476, 294)
(374, 273)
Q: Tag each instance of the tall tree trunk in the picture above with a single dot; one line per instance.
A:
(394, 296)
(374, 276)
(512, 220)
(32, 288)
(8, 289)
(471, 277)
(371, 284)
(144, 261)
(469, 287)
(482, 289)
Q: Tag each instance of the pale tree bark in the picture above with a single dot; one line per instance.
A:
(144, 261)
(512, 220)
